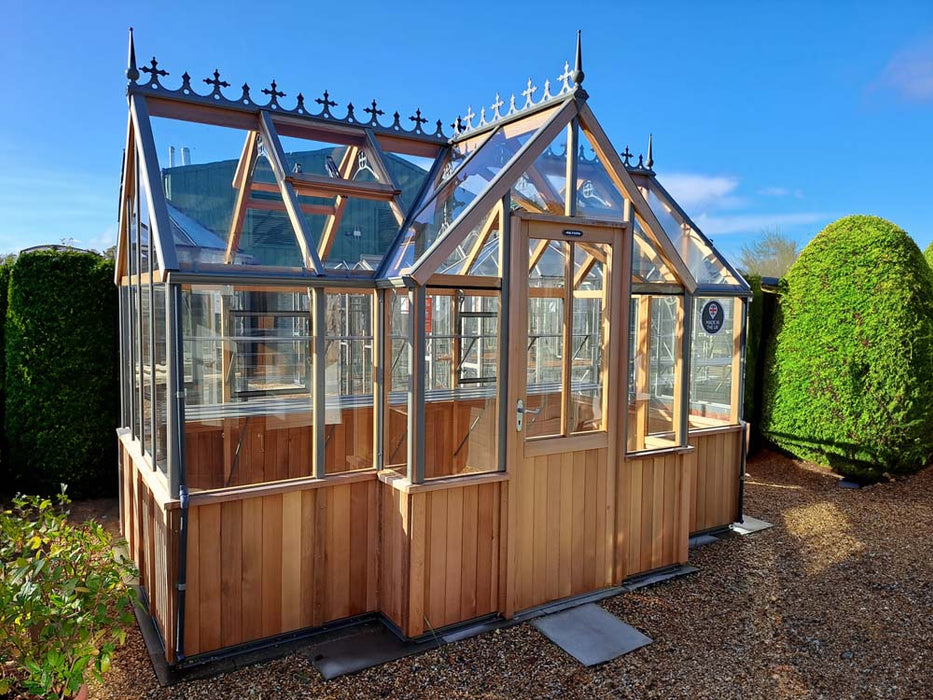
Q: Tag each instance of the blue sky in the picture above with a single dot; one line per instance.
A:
(764, 115)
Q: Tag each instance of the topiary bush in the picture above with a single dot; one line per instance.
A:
(62, 373)
(849, 382)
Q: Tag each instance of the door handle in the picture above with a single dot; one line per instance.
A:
(520, 412)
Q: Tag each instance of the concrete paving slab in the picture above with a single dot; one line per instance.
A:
(750, 525)
(590, 634)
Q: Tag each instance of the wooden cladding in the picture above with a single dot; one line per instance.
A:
(440, 555)
(715, 474)
(653, 512)
(261, 566)
(268, 560)
(561, 504)
(151, 534)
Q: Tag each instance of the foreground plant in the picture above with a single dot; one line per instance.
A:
(64, 600)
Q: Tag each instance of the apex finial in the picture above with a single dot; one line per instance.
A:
(578, 73)
(132, 72)
(649, 160)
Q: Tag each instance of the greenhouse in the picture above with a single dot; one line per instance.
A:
(372, 368)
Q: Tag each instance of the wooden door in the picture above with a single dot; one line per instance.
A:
(564, 390)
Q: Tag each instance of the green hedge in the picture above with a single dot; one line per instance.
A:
(759, 335)
(928, 254)
(5, 268)
(62, 373)
(850, 374)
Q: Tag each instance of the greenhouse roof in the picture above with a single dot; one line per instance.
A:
(309, 190)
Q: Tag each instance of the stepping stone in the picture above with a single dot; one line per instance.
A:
(590, 634)
(750, 525)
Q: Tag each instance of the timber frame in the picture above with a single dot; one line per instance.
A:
(533, 391)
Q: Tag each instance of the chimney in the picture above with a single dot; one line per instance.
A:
(185, 156)
(171, 156)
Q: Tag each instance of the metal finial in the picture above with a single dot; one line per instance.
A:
(154, 71)
(649, 161)
(641, 162)
(496, 106)
(216, 82)
(373, 111)
(565, 78)
(326, 103)
(547, 91)
(578, 73)
(469, 117)
(627, 156)
(512, 107)
(528, 92)
(482, 116)
(274, 93)
(132, 72)
(417, 119)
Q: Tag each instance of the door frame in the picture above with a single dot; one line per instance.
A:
(617, 235)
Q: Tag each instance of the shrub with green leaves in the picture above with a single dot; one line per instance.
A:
(64, 601)
(928, 254)
(850, 373)
(62, 373)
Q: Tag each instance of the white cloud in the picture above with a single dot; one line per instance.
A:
(910, 72)
(694, 191)
(713, 225)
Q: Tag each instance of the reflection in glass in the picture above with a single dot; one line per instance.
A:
(348, 382)
(247, 377)
(461, 370)
(547, 285)
(711, 362)
(586, 382)
(653, 371)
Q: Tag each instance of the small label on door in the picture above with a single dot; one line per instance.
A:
(573, 233)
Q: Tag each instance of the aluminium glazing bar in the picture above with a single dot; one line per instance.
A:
(416, 366)
(573, 137)
(380, 342)
(319, 441)
(687, 348)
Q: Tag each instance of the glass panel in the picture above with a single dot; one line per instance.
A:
(586, 378)
(133, 373)
(348, 382)
(702, 261)
(366, 230)
(597, 195)
(247, 379)
(543, 187)
(546, 298)
(160, 375)
(647, 263)
(475, 250)
(711, 361)
(316, 157)
(409, 173)
(461, 368)
(455, 156)
(654, 349)
(145, 321)
(460, 190)
(396, 423)
(198, 163)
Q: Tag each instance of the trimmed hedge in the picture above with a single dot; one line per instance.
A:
(850, 374)
(928, 254)
(5, 268)
(62, 373)
(759, 335)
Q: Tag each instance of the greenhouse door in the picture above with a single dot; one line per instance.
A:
(564, 389)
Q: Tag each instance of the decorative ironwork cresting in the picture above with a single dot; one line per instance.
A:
(154, 86)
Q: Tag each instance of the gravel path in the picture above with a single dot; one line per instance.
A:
(836, 601)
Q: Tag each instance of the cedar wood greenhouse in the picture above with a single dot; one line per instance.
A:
(375, 369)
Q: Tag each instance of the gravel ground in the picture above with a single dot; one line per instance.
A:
(836, 601)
